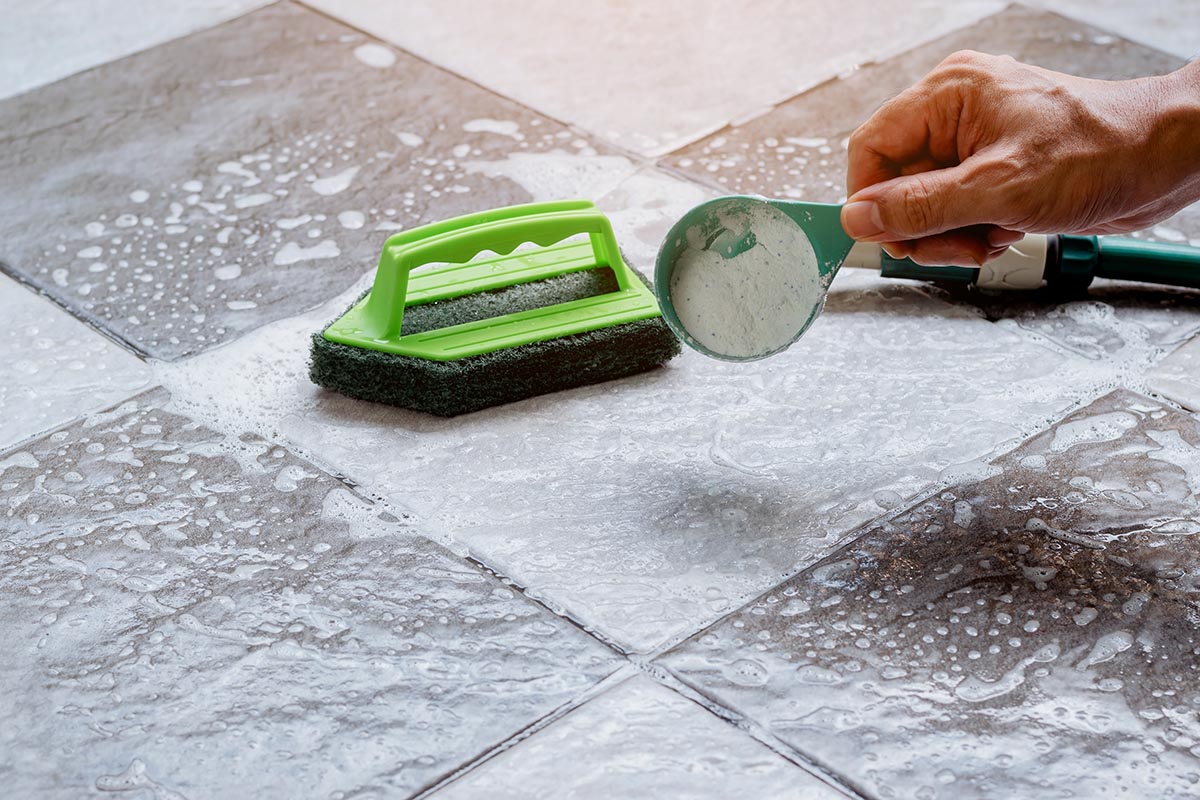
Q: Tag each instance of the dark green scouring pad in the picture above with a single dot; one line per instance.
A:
(449, 388)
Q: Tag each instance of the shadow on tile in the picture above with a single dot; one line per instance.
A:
(1032, 633)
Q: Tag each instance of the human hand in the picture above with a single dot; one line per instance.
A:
(985, 149)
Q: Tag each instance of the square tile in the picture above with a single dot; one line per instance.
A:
(1029, 634)
(638, 740)
(53, 367)
(250, 172)
(649, 506)
(654, 76)
(207, 615)
(799, 151)
(51, 39)
(1169, 25)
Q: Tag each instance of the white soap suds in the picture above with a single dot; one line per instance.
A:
(351, 220)
(252, 200)
(334, 183)
(291, 252)
(754, 303)
(139, 196)
(500, 127)
(375, 55)
(410, 139)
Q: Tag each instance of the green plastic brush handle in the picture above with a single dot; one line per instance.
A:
(459, 240)
(375, 322)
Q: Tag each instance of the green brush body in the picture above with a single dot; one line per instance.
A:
(566, 356)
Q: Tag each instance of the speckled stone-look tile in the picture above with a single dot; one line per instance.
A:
(1031, 634)
(639, 740)
(51, 39)
(209, 615)
(654, 76)
(249, 172)
(647, 507)
(53, 367)
(798, 151)
(1169, 25)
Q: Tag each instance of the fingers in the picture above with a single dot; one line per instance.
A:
(968, 247)
(914, 132)
(925, 204)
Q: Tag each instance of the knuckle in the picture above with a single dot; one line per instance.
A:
(915, 213)
(964, 58)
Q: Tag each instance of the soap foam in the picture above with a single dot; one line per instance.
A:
(756, 302)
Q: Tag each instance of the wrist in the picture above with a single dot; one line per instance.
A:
(1176, 128)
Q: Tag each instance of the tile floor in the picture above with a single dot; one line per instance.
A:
(942, 547)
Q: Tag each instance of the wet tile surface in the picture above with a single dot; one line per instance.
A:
(1178, 376)
(798, 151)
(51, 39)
(53, 367)
(639, 740)
(647, 507)
(1168, 25)
(246, 173)
(1033, 633)
(201, 615)
(693, 67)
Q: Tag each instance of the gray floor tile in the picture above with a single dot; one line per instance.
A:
(639, 740)
(51, 39)
(246, 173)
(655, 76)
(1169, 25)
(647, 507)
(214, 617)
(53, 367)
(1030, 634)
(798, 151)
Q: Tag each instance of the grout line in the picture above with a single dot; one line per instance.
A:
(640, 160)
(917, 498)
(79, 315)
(21, 444)
(455, 548)
(669, 680)
(206, 26)
(608, 682)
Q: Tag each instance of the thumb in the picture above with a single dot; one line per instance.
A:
(915, 206)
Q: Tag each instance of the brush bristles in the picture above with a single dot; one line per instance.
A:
(450, 388)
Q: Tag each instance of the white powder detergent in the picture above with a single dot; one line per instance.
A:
(754, 303)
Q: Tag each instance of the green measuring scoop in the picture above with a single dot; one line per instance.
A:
(1062, 262)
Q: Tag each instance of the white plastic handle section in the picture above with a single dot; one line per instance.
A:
(1022, 266)
(864, 255)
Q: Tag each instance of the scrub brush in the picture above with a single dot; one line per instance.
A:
(463, 334)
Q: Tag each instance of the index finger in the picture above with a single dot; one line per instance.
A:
(915, 131)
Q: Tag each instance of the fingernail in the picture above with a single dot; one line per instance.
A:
(861, 219)
(896, 250)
